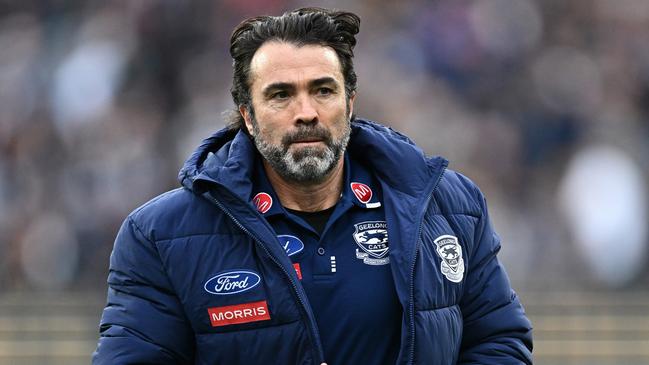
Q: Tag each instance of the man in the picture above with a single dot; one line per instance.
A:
(304, 235)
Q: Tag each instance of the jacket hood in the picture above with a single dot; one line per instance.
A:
(228, 157)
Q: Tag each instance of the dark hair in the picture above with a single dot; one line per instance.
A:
(305, 26)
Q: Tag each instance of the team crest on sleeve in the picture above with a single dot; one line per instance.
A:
(450, 251)
(372, 238)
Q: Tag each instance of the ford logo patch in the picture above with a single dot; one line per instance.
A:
(291, 244)
(232, 282)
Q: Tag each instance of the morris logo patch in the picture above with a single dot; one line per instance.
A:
(372, 238)
(239, 313)
(449, 250)
(232, 282)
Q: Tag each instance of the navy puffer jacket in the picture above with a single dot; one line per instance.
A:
(458, 305)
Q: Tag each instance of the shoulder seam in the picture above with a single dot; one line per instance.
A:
(473, 195)
(132, 221)
(155, 199)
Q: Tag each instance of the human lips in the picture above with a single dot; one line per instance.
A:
(308, 141)
(307, 137)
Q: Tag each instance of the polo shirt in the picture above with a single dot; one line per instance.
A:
(345, 270)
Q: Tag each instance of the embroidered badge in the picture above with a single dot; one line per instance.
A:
(450, 251)
(372, 238)
(239, 313)
(291, 244)
(232, 282)
(263, 202)
(362, 192)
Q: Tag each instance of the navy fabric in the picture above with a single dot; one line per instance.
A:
(353, 299)
(317, 220)
(456, 310)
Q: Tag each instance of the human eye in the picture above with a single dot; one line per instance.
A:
(324, 91)
(279, 95)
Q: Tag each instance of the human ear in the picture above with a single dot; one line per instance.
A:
(247, 117)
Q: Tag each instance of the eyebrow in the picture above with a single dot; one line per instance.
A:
(289, 86)
(322, 81)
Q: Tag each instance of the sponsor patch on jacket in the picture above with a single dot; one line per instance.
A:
(372, 238)
(232, 282)
(362, 192)
(298, 270)
(263, 202)
(291, 244)
(449, 250)
(239, 313)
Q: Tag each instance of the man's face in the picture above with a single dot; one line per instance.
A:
(300, 113)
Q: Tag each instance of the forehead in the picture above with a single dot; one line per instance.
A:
(285, 62)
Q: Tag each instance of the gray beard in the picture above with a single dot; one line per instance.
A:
(309, 165)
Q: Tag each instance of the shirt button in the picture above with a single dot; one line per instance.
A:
(321, 251)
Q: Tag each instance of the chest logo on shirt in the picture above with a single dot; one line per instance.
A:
(232, 282)
(372, 238)
(449, 250)
(362, 192)
(263, 202)
(291, 244)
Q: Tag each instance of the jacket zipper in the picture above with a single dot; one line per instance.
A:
(411, 306)
(314, 328)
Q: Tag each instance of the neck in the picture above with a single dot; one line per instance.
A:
(307, 197)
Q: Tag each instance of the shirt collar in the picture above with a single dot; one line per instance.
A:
(263, 195)
(360, 188)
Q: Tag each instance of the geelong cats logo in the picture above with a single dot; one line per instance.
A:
(372, 238)
(449, 249)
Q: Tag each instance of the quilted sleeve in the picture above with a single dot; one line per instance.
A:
(143, 321)
(496, 329)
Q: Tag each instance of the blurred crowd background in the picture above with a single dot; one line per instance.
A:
(544, 104)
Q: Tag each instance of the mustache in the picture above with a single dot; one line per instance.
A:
(308, 132)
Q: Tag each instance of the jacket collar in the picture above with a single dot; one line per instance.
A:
(228, 158)
(359, 189)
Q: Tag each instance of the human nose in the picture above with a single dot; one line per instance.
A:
(306, 111)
